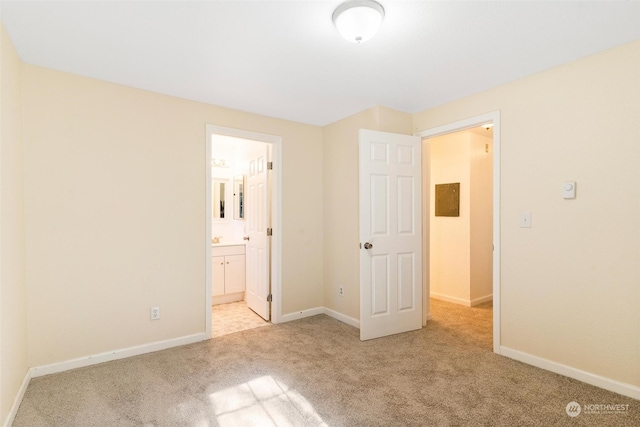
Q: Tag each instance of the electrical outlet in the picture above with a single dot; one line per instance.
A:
(341, 291)
(155, 313)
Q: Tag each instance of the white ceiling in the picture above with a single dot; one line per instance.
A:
(285, 58)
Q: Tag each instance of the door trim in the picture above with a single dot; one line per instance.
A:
(276, 216)
(494, 117)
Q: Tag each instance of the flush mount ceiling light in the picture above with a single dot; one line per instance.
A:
(358, 20)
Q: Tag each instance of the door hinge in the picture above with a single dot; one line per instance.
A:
(269, 166)
(269, 298)
(269, 231)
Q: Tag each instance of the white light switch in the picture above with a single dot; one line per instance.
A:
(569, 190)
(525, 220)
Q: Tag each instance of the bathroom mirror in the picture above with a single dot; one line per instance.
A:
(219, 198)
(238, 196)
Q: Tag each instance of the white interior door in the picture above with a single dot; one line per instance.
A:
(390, 234)
(257, 220)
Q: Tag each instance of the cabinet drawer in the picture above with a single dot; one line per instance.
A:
(227, 250)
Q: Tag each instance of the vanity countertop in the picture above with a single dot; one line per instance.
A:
(229, 243)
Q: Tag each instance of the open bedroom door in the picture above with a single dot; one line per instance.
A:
(390, 234)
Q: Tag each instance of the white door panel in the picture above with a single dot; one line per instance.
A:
(406, 281)
(257, 221)
(379, 285)
(390, 221)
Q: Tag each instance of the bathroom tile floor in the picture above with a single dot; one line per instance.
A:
(234, 317)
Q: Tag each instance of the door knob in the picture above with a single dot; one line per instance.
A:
(368, 245)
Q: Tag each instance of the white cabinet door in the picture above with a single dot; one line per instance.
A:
(217, 276)
(234, 273)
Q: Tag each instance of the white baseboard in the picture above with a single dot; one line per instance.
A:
(447, 298)
(301, 314)
(18, 400)
(481, 300)
(342, 317)
(228, 298)
(577, 374)
(320, 310)
(461, 301)
(162, 345)
(115, 355)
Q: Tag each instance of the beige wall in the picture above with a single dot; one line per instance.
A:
(341, 209)
(13, 293)
(449, 244)
(115, 209)
(481, 218)
(570, 284)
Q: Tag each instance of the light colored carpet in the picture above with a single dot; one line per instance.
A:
(234, 317)
(315, 372)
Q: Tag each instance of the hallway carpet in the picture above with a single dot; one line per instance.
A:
(316, 372)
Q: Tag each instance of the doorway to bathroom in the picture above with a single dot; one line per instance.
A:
(242, 230)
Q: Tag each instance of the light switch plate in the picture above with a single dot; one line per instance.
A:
(525, 220)
(569, 190)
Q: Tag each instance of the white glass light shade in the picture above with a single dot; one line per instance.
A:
(358, 20)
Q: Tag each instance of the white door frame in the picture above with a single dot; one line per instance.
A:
(276, 216)
(494, 117)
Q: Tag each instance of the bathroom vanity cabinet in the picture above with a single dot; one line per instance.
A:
(228, 273)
